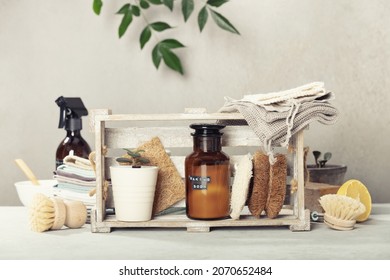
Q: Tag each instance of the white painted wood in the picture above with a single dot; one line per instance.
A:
(100, 170)
(168, 117)
(91, 117)
(178, 161)
(300, 175)
(178, 137)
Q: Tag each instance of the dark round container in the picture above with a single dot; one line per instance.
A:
(330, 174)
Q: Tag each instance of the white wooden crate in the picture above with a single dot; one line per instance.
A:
(174, 132)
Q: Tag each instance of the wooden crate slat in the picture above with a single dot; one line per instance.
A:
(168, 117)
(178, 161)
(203, 226)
(175, 137)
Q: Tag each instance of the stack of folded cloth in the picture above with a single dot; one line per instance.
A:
(76, 179)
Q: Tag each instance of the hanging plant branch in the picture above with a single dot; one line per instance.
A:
(164, 50)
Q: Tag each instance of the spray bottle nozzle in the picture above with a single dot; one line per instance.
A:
(72, 109)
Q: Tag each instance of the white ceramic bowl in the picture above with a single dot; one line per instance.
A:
(26, 190)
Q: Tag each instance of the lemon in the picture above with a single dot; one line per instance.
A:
(357, 190)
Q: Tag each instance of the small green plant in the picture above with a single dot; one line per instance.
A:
(320, 163)
(164, 49)
(133, 158)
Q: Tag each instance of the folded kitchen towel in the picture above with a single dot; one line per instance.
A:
(77, 196)
(276, 117)
(74, 188)
(65, 169)
(75, 181)
(62, 173)
(79, 162)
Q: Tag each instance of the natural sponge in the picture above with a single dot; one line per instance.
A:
(277, 186)
(170, 186)
(259, 195)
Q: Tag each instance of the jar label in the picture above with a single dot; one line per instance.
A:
(199, 182)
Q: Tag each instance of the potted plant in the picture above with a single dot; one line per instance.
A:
(321, 172)
(133, 186)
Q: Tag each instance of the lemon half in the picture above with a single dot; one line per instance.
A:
(357, 190)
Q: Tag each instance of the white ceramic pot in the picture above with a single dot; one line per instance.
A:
(133, 190)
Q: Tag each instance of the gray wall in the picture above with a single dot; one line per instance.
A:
(53, 48)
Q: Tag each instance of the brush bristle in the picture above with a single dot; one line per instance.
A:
(341, 206)
(42, 213)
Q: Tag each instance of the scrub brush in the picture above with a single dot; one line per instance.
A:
(53, 213)
(341, 211)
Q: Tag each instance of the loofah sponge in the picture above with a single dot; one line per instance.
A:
(241, 186)
(258, 198)
(53, 213)
(170, 186)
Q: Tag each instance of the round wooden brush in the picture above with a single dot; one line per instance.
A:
(341, 211)
(53, 213)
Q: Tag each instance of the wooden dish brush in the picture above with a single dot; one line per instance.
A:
(341, 211)
(53, 213)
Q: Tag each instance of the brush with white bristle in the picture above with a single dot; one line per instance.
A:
(341, 211)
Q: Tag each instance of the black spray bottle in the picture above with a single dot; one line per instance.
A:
(72, 109)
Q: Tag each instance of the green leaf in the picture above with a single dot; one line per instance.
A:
(124, 160)
(171, 44)
(133, 154)
(156, 56)
(145, 36)
(126, 20)
(202, 18)
(155, 2)
(129, 152)
(144, 4)
(160, 26)
(187, 7)
(327, 156)
(216, 3)
(97, 6)
(222, 22)
(125, 9)
(171, 60)
(163, 51)
(144, 160)
(168, 3)
(135, 10)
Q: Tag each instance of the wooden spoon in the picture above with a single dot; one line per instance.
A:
(27, 171)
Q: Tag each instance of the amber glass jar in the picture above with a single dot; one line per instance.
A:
(207, 172)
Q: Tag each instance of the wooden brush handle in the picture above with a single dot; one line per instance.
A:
(27, 171)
